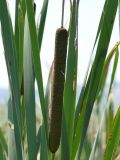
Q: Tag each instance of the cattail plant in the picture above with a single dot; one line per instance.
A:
(24, 45)
(58, 88)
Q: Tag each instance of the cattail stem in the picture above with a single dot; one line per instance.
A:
(53, 156)
(62, 19)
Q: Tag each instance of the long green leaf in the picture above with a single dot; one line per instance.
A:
(114, 138)
(42, 22)
(64, 140)
(3, 142)
(17, 30)
(38, 141)
(106, 68)
(70, 84)
(114, 68)
(43, 144)
(104, 38)
(47, 99)
(36, 58)
(88, 68)
(10, 56)
(21, 20)
(29, 94)
(2, 156)
(109, 117)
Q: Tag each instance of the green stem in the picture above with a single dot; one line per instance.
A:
(62, 19)
(53, 156)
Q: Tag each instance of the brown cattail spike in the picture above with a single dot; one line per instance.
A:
(58, 88)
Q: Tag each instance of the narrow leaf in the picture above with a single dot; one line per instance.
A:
(114, 138)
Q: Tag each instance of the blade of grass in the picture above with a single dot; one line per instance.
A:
(104, 38)
(83, 93)
(47, 99)
(10, 56)
(17, 30)
(8, 42)
(106, 68)
(87, 147)
(96, 141)
(100, 23)
(42, 22)
(3, 142)
(109, 117)
(38, 141)
(97, 35)
(99, 61)
(43, 145)
(48, 90)
(92, 154)
(23, 7)
(29, 94)
(2, 156)
(64, 141)
(80, 110)
(114, 68)
(113, 141)
(12, 152)
(21, 40)
(36, 58)
(10, 110)
(88, 68)
(70, 84)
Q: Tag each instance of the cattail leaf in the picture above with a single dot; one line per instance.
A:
(36, 58)
(78, 107)
(21, 41)
(109, 117)
(70, 84)
(23, 7)
(12, 152)
(80, 110)
(92, 154)
(42, 22)
(98, 136)
(83, 94)
(29, 94)
(114, 68)
(3, 142)
(47, 99)
(48, 90)
(87, 147)
(10, 110)
(106, 68)
(17, 30)
(10, 57)
(81, 97)
(114, 138)
(103, 42)
(2, 154)
(64, 141)
(43, 144)
(79, 104)
(38, 140)
(100, 23)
